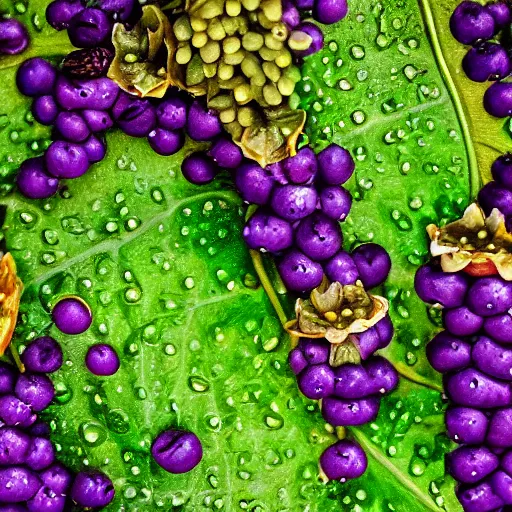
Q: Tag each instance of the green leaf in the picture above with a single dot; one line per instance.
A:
(172, 287)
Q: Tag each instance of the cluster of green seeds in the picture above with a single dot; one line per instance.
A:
(242, 53)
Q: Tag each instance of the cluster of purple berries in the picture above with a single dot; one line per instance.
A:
(350, 394)
(14, 37)
(474, 353)
(475, 24)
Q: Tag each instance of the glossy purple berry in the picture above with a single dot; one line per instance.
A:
(72, 315)
(43, 355)
(254, 183)
(501, 484)
(46, 500)
(198, 168)
(351, 381)
(302, 167)
(267, 232)
(462, 321)
(34, 182)
(118, 9)
(436, 287)
(35, 390)
(316, 35)
(297, 361)
(89, 28)
(95, 94)
(202, 124)
(470, 464)
(36, 77)
(102, 359)
(92, 489)
(294, 202)
(382, 375)
(480, 498)
(171, 114)
(447, 353)
(490, 296)
(502, 170)
(373, 264)
(177, 451)
(318, 237)
(330, 11)
(14, 38)
(14, 412)
(225, 153)
(72, 126)
(165, 142)
(498, 99)
(45, 110)
(499, 327)
(493, 195)
(291, 15)
(17, 484)
(492, 358)
(97, 120)
(487, 61)
(343, 413)
(14, 446)
(95, 148)
(135, 116)
(466, 426)
(316, 381)
(60, 12)
(501, 13)
(343, 461)
(316, 351)
(299, 273)
(40, 454)
(499, 434)
(8, 377)
(57, 478)
(335, 202)
(66, 159)
(335, 165)
(471, 22)
(341, 268)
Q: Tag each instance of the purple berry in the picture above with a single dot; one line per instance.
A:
(40, 454)
(72, 126)
(502, 170)
(302, 167)
(8, 377)
(499, 327)
(492, 358)
(35, 390)
(382, 375)
(335, 164)
(343, 413)
(66, 159)
(254, 183)
(342, 268)
(72, 315)
(95, 94)
(343, 461)
(95, 149)
(318, 237)
(472, 388)
(165, 142)
(447, 353)
(304, 5)
(461, 321)
(487, 61)
(15, 412)
(119, 9)
(14, 446)
(14, 37)
(45, 110)
(291, 15)
(316, 35)
(493, 195)
(202, 124)
(299, 273)
(267, 232)
(135, 116)
(294, 202)
(335, 202)
(17, 484)
(198, 169)
(316, 351)
(373, 264)
(92, 489)
(498, 99)
(36, 77)
(102, 359)
(435, 287)
(470, 464)
(171, 114)
(480, 498)
(57, 478)
(490, 296)
(45, 500)
(89, 28)
(330, 11)
(501, 484)
(351, 381)
(177, 451)
(499, 434)
(60, 12)
(225, 153)
(471, 22)
(466, 426)
(97, 120)
(43, 355)
(501, 13)
(34, 182)
(297, 361)
(317, 381)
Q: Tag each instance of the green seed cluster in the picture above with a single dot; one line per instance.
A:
(240, 50)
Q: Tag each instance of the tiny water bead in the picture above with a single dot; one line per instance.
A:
(72, 315)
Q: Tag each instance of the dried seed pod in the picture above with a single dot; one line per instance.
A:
(87, 63)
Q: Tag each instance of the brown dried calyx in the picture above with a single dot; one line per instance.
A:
(87, 63)
(476, 244)
(10, 294)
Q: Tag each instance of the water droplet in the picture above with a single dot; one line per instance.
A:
(274, 421)
(93, 433)
(117, 421)
(357, 52)
(198, 384)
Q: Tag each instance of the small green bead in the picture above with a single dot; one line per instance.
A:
(195, 73)
(215, 30)
(130, 58)
(234, 59)
(286, 86)
(252, 41)
(227, 116)
(183, 54)
(268, 54)
(182, 29)
(210, 52)
(272, 71)
(233, 7)
(271, 95)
